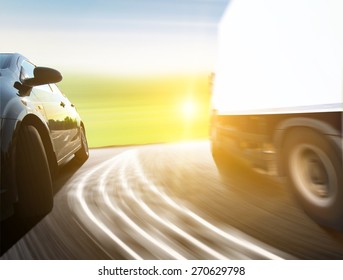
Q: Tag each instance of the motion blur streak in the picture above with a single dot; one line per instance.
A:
(104, 187)
(125, 205)
(81, 199)
(168, 224)
(246, 244)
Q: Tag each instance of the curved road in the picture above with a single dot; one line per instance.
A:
(169, 201)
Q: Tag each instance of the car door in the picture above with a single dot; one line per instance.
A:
(56, 116)
(71, 121)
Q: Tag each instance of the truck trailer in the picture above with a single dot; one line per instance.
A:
(277, 97)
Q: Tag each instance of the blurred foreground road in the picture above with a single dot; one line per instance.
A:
(168, 201)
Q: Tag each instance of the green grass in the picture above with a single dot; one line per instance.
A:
(125, 111)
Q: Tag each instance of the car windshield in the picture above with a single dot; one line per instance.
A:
(5, 61)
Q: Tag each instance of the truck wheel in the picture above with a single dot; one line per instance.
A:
(83, 153)
(315, 174)
(35, 196)
(216, 151)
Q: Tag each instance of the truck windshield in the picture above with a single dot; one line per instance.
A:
(5, 61)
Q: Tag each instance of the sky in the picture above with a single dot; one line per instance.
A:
(114, 37)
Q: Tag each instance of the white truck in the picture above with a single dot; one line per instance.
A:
(277, 96)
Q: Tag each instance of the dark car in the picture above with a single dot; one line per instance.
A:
(40, 130)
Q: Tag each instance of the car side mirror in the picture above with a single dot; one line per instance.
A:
(42, 76)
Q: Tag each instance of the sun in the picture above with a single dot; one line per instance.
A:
(188, 108)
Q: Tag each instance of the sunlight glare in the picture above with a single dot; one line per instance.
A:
(189, 109)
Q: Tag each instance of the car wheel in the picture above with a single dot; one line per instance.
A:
(83, 153)
(314, 171)
(35, 195)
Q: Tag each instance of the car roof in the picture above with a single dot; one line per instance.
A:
(11, 60)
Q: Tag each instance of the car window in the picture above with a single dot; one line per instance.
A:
(26, 70)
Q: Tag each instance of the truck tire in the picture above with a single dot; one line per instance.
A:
(218, 154)
(34, 184)
(314, 170)
(82, 154)
(216, 151)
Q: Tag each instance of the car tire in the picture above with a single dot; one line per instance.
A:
(83, 154)
(314, 170)
(34, 184)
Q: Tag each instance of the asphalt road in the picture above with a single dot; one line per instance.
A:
(169, 201)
